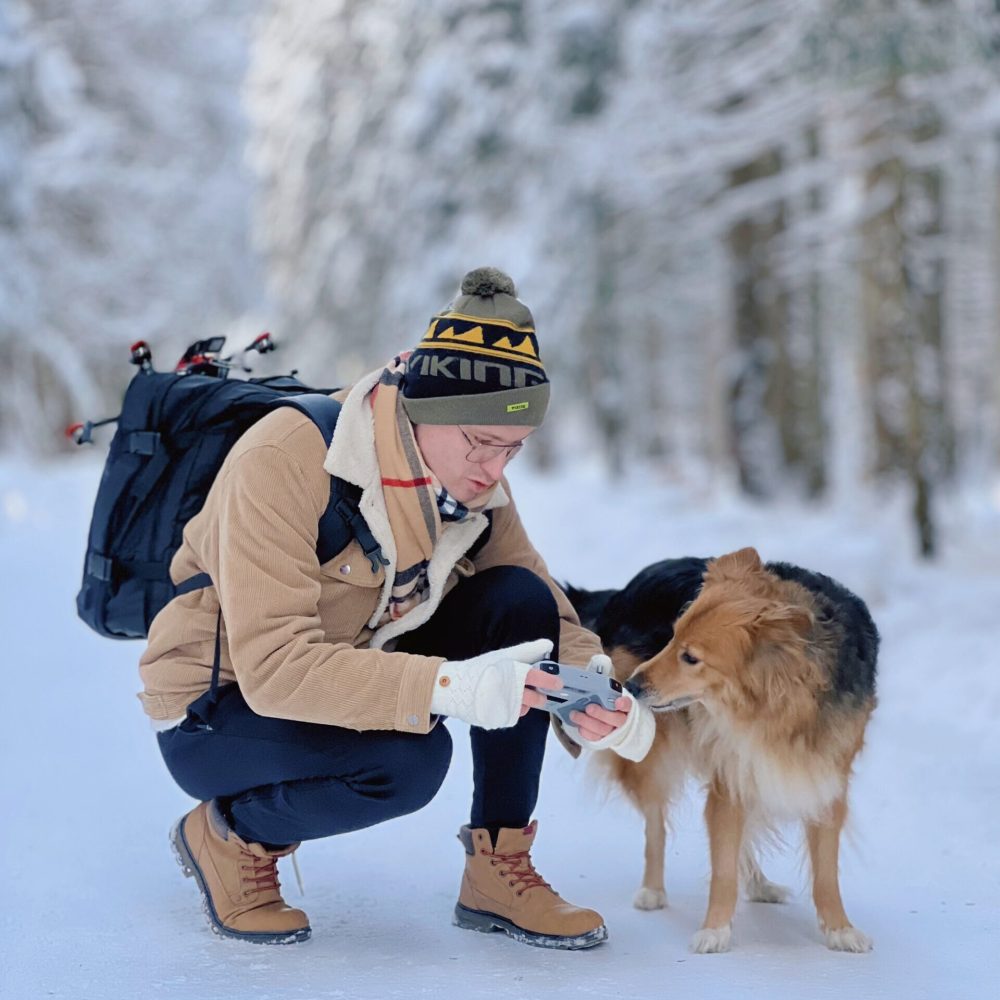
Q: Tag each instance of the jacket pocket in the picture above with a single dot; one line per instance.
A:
(353, 567)
(350, 593)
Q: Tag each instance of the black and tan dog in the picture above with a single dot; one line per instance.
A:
(763, 678)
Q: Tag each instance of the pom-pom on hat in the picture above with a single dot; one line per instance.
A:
(478, 362)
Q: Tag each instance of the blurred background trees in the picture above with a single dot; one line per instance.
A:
(759, 237)
(124, 197)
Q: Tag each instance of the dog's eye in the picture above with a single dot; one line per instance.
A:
(689, 658)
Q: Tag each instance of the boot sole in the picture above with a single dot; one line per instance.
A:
(486, 923)
(184, 858)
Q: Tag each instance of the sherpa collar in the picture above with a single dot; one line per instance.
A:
(351, 456)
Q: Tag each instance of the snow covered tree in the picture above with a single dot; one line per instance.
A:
(693, 197)
(125, 200)
(761, 239)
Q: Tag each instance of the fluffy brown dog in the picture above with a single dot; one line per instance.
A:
(763, 686)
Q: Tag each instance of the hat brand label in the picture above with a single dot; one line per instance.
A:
(517, 407)
(508, 376)
(439, 366)
(481, 368)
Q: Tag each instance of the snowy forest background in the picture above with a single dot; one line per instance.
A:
(761, 238)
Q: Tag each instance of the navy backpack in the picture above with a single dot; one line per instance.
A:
(174, 430)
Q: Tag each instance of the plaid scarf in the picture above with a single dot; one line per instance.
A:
(449, 508)
(415, 501)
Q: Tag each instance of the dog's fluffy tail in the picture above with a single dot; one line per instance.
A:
(589, 604)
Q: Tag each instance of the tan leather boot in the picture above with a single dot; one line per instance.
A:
(501, 891)
(238, 881)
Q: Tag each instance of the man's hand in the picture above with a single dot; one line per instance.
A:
(596, 722)
(489, 690)
(628, 730)
(537, 679)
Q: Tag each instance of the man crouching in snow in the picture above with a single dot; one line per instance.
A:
(299, 700)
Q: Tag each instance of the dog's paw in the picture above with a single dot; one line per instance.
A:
(710, 940)
(649, 899)
(847, 939)
(761, 890)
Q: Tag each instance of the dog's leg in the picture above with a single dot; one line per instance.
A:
(652, 894)
(725, 821)
(757, 886)
(824, 851)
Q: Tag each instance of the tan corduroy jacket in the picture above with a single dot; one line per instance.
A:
(302, 638)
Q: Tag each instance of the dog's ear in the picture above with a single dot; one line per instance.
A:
(774, 619)
(734, 565)
(780, 674)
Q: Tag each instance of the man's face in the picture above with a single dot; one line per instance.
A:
(446, 449)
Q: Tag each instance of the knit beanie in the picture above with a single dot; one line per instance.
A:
(478, 362)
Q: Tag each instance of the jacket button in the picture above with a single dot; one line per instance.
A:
(345, 569)
(444, 681)
(412, 720)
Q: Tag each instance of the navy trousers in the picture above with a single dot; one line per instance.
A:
(281, 781)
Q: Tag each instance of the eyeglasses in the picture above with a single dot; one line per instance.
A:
(479, 452)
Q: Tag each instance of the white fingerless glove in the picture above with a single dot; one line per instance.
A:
(487, 690)
(631, 740)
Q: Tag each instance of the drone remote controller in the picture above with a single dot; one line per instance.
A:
(580, 689)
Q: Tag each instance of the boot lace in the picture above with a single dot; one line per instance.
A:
(520, 871)
(259, 874)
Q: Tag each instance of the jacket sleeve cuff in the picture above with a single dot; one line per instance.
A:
(632, 740)
(413, 706)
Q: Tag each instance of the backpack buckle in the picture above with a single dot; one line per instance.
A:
(359, 527)
(143, 442)
(99, 566)
(373, 551)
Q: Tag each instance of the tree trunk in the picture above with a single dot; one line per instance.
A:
(903, 276)
(759, 389)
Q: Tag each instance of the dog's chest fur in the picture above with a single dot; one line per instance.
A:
(771, 782)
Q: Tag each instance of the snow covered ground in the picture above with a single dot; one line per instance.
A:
(95, 907)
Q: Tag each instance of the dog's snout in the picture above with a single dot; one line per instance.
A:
(636, 687)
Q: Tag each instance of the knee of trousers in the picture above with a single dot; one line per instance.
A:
(417, 769)
(523, 600)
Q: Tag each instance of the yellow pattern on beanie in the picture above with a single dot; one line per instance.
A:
(478, 361)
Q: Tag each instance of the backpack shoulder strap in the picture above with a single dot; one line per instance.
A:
(342, 520)
(480, 542)
(322, 410)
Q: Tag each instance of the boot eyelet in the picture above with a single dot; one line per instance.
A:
(520, 892)
(511, 884)
(493, 863)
